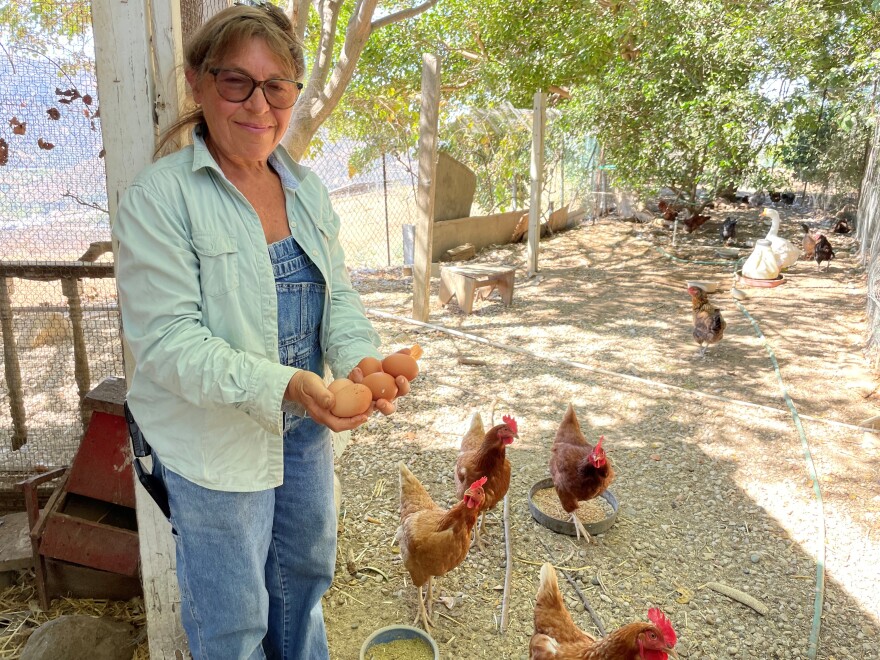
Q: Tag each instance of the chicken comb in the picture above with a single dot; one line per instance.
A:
(659, 619)
(511, 422)
(479, 483)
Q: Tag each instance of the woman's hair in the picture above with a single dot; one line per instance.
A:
(224, 33)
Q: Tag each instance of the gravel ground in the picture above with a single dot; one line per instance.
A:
(711, 489)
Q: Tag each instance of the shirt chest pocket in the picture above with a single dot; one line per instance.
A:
(218, 262)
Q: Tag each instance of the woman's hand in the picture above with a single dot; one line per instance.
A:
(308, 389)
(383, 405)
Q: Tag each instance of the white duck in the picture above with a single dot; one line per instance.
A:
(785, 251)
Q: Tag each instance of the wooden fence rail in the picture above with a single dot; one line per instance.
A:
(70, 273)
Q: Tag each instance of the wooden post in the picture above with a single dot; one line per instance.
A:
(70, 289)
(536, 172)
(12, 368)
(424, 230)
(136, 100)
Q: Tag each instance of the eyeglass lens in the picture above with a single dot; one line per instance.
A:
(238, 87)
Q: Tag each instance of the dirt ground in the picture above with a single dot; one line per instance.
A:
(712, 489)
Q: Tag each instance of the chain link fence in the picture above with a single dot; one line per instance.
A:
(868, 234)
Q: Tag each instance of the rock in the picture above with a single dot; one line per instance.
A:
(78, 637)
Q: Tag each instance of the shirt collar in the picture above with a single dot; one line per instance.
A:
(203, 158)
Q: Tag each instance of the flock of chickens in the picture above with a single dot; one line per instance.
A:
(433, 540)
(708, 323)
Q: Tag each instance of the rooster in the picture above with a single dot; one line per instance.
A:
(708, 324)
(809, 242)
(485, 455)
(556, 636)
(580, 471)
(728, 230)
(824, 252)
(433, 541)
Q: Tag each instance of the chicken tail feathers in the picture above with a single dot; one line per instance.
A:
(413, 496)
(718, 323)
(548, 588)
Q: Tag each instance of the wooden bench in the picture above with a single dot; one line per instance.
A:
(464, 281)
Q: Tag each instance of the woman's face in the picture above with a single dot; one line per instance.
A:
(245, 132)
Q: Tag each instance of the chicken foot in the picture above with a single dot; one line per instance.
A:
(579, 529)
(425, 613)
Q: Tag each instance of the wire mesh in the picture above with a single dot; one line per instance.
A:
(60, 330)
(868, 234)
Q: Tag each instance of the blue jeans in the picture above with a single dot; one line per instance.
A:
(252, 567)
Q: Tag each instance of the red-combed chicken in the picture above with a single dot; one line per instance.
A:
(580, 471)
(556, 636)
(485, 455)
(708, 324)
(433, 541)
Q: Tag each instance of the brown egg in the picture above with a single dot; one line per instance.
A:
(382, 385)
(370, 365)
(338, 384)
(400, 364)
(352, 400)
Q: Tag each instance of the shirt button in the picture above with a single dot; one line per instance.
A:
(293, 224)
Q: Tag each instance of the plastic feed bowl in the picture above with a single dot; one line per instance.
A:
(566, 526)
(766, 284)
(394, 633)
(708, 287)
(727, 253)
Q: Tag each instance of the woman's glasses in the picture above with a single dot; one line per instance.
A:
(237, 87)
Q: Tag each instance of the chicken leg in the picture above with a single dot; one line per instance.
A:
(579, 529)
(478, 541)
(425, 613)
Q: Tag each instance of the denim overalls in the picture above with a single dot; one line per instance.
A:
(254, 566)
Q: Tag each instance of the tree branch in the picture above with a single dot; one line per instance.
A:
(402, 15)
(84, 203)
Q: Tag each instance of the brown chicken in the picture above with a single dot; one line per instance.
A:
(556, 636)
(580, 471)
(708, 323)
(824, 252)
(670, 212)
(809, 242)
(433, 541)
(695, 221)
(485, 455)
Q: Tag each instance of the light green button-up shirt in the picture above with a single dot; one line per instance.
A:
(199, 310)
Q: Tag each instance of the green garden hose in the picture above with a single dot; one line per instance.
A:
(811, 468)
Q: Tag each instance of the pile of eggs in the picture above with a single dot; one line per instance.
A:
(355, 398)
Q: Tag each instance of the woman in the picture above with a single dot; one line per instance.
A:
(234, 296)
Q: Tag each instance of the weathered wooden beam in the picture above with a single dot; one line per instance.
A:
(424, 230)
(70, 289)
(537, 176)
(12, 369)
(55, 270)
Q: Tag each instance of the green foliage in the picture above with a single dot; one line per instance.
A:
(692, 96)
